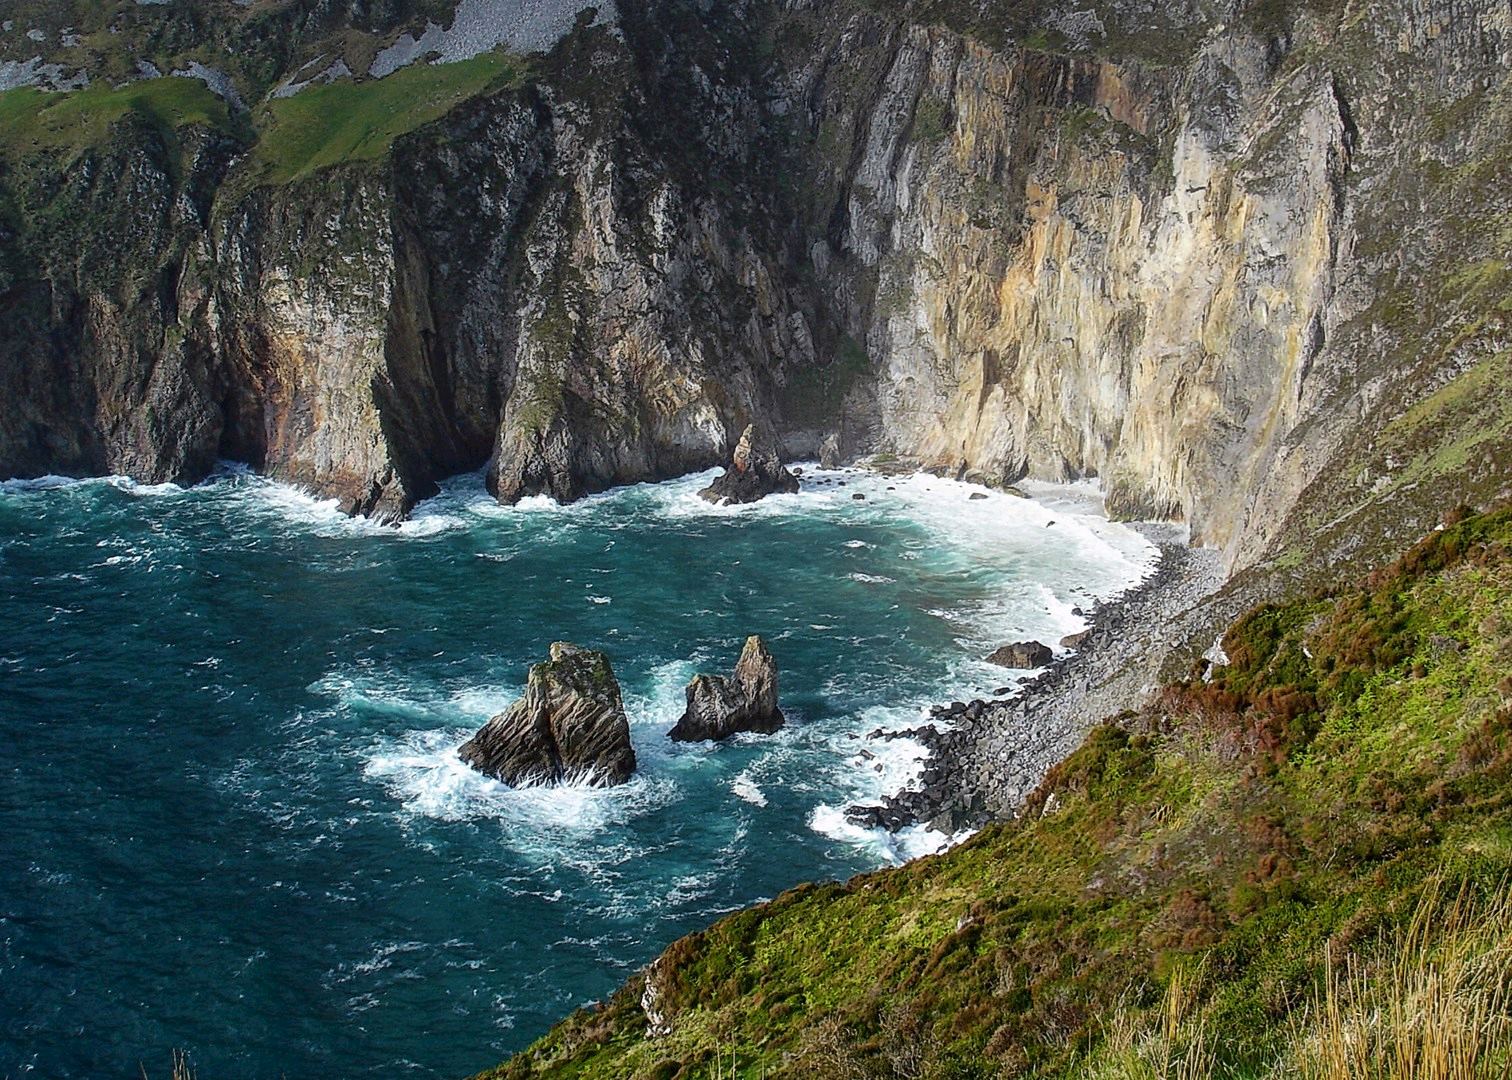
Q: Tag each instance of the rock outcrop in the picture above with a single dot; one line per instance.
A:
(755, 471)
(570, 725)
(1022, 654)
(719, 707)
(1076, 640)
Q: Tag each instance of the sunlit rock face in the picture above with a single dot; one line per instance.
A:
(569, 725)
(720, 706)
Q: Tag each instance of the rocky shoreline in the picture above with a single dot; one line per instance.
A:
(986, 757)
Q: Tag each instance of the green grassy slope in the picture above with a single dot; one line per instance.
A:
(358, 121)
(33, 122)
(256, 44)
(291, 138)
(1304, 858)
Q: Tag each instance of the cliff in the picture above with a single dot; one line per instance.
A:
(1247, 266)
(1246, 263)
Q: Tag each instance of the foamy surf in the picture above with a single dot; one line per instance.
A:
(746, 790)
(421, 769)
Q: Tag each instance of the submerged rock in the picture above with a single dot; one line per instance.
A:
(719, 707)
(1022, 654)
(570, 725)
(755, 471)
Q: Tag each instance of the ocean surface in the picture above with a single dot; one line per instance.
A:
(232, 820)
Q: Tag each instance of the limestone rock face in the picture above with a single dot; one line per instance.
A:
(1022, 654)
(570, 725)
(718, 707)
(755, 471)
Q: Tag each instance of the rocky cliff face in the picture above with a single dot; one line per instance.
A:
(1148, 271)
(1244, 269)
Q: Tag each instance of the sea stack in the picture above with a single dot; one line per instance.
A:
(755, 471)
(570, 725)
(718, 707)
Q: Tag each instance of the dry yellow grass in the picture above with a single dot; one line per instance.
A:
(1433, 1002)
(1435, 1006)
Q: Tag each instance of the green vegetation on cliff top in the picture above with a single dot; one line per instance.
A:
(293, 137)
(32, 121)
(1298, 867)
(347, 121)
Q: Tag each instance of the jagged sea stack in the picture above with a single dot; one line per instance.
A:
(755, 471)
(719, 707)
(570, 725)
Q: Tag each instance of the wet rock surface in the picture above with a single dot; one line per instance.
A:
(719, 707)
(569, 725)
(755, 471)
(1022, 654)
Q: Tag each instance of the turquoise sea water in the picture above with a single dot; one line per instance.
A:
(231, 816)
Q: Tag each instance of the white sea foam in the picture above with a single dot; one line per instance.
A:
(52, 482)
(891, 847)
(422, 770)
(745, 788)
(1038, 560)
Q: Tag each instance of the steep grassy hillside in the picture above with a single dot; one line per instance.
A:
(34, 121)
(1295, 865)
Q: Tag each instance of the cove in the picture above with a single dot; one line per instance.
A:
(233, 820)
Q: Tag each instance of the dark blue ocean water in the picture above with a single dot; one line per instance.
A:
(231, 818)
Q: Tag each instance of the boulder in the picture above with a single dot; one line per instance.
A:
(569, 725)
(829, 452)
(1074, 641)
(718, 707)
(1022, 654)
(755, 471)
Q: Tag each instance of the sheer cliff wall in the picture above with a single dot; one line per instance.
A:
(1248, 267)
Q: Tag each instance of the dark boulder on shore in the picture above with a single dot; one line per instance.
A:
(755, 471)
(1073, 641)
(1022, 654)
(718, 707)
(570, 725)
